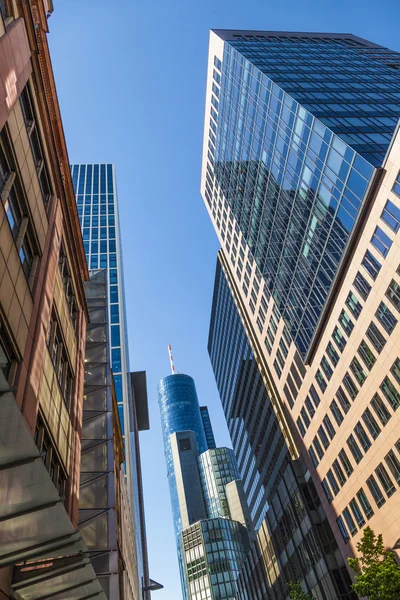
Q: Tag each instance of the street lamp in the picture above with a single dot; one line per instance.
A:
(152, 587)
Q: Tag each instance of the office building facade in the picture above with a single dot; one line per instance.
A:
(301, 181)
(211, 544)
(43, 317)
(97, 203)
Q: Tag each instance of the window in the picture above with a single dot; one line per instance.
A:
(339, 339)
(365, 505)
(283, 347)
(59, 358)
(326, 367)
(395, 370)
(344, 402)
(327, 490)
(35, 142)
(354, 448)
(323, 437)
(349, 521)
(375, 336)
(375, 491)
(49, 456)
(268, 345)
(367, 355)
(347, 466)
(313, 456)
(350, 386)
(329, 427)
(393, 293)
(362, 286)
(309, 406)
(314, 395)
(343, 530)
(7, 357)
(380, 409)
(362, 437)
(381, 241)
(301, 427)
(371, 424)
(15, 208)
(285, 332)
(355, 509)
(346, 322)
(386, 318)
(394, 465)
(67, 283)
(371, 264)
(390, 392)
(321, 380)
(318, 448)
(354, 305)
(391, 216)
(385, 480)
(358, 371)
(337, 413)
(277, 368)
(332, 482)
(305, 417)
(339, 473)
(333, 355)
(396, 186)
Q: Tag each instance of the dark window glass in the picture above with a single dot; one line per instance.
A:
(115, 335)
(354, 305)
(318, 448)
(346, 322)
(371, 423)
(354, 448)
(371, 264)
(381, 241)
(350, 386)
(375, 336)
(386, 318)
(339, 339)
(305, 417)
(394, 465)
(343, 530)
(301, 427)
(391, 216)
(364, 502)
(309, 406)
(385, 480)
(337, 413)
(393, 293)
(362, 437)
(391, 394)
(333, 355)
(329, 427)
(362, 286)
(323, 437)
(380, 409)
(339, 473)
(355, 509)
(314, 395)
(349, 521)
(327, 490)
(344, 401)
(344, 459)
(326, 367)
(375, 491)
(396, 187)
(332, 482)
(358, 371)
(277, 368)
(313, 456)
(395, 370)
(321, 380)
(367, 355)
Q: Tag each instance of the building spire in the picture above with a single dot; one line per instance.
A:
(171, 360)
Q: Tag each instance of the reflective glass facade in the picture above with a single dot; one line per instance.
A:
(213, 553)
(208, 430)
(217, 468)
(280, 500)
(96, 197)
(297, 126)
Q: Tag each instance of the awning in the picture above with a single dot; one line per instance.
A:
(34, 525)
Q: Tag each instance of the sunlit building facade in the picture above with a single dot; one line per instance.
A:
(301, 181)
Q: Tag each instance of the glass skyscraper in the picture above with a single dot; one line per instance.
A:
(96, 196)
(209, 519)
(297, 126)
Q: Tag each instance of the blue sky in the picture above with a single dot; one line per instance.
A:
(131, 82)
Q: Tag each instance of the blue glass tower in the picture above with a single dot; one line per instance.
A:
(297, 126)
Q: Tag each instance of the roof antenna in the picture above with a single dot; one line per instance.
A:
(171, 360)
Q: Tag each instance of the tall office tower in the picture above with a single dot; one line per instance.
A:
(301, 181)
(96, 198)
(43, 317)
(209, 512)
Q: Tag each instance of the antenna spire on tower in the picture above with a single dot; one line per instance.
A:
(171, 360)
